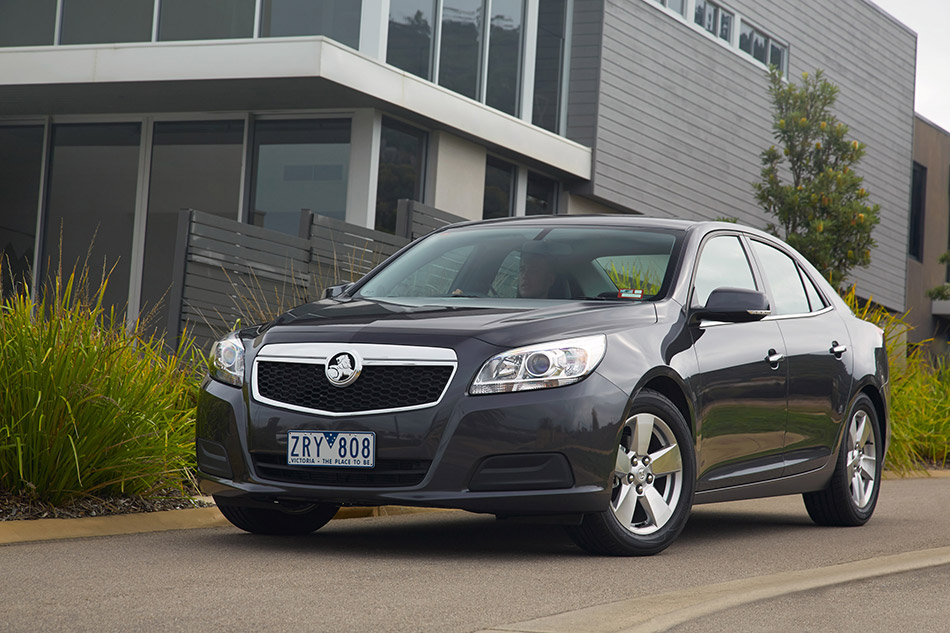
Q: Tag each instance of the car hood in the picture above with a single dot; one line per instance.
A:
(497, 322)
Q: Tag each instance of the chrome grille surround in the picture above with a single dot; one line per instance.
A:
(371, 355)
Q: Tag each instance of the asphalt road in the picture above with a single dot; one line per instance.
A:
(452, 571)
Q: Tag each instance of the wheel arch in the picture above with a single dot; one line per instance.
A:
(880, 408)
(671, 387)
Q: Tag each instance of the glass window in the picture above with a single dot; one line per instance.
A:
(918, 198)
(106, 21)
(459, 58)
(299, 164)
(206, 20)
(542, 195)
(754, 42)
(549, 64)
(27, 22)
(722, 264)
(195, 165)
(21, 158)
(401, 166)
(780, 270)
(725, 25)
(499, 188)
(815, 300)
(778, 56)
(338, 19)
(93, 180)
(409, 46)
(504, 55)
(676, 5)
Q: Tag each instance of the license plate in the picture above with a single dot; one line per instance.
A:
(356, 449)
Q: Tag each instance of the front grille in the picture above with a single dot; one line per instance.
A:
(379, 387)
(387, 473)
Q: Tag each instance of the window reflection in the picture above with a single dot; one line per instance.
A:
(409, 46)
(401, 165)
(93, 180)
(106, 21)
(299, 164)
(542, 195)
(499, 188)
(195, 165)
(459, 60)
(206, 20)
(548, 68)
(504, 55)
(27, 22)
(21, 156)
(339, 19)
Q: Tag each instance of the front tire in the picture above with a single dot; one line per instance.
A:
(267, 521)
(851, 495)
(653, 483)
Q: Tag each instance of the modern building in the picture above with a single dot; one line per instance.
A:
(116, 114)
(929, 236)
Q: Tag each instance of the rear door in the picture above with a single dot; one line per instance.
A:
(819, 359)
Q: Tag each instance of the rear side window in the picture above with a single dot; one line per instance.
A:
(784, 279)
(722, 264)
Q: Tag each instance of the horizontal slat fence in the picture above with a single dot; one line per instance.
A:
(227, 271)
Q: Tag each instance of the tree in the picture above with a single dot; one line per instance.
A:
(818, 199)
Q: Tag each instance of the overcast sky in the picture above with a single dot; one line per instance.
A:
(931, 20)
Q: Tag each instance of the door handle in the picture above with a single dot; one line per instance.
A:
(837, 349)
(774, 358)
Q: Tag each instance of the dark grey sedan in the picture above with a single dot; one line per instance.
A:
(605, 373)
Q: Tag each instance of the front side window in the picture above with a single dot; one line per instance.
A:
(722, 264)
(784, 279)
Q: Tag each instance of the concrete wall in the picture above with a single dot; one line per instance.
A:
(455, 176)
(932, 150)
(681, 117)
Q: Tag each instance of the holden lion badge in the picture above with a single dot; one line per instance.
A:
(343, 368)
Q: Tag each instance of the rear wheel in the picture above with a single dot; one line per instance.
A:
(267, 521)
(851, 495)
(653, 483)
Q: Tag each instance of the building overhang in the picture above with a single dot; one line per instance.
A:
(259, 75)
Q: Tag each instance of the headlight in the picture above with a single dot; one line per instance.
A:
(540, 366)
(227, 360)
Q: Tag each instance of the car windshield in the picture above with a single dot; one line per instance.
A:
(536, 262)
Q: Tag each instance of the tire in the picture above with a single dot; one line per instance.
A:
(266, 521)
(850, 497)
(653, 484)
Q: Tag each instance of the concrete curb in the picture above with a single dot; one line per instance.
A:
(27, 530)
(662, 612)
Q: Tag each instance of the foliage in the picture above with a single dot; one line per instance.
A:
(941, 292)
(823, 210)
(635, 278)
(89, 406)
(920, 395)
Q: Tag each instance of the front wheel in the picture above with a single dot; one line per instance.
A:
(267, 521)
(653, 482)
(851, 495)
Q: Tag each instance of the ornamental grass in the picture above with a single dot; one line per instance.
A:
(88, 405)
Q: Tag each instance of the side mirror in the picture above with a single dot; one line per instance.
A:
(734, 305)
(335, 291)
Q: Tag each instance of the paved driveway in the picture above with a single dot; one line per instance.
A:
(447, 571)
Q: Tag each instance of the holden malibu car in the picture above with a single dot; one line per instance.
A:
(605, 373)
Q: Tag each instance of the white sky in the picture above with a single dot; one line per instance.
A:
(931, 20)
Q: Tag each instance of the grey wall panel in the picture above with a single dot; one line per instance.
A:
(682, 118)
(583, 87)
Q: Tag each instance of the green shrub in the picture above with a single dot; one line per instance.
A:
(920, 395)
(87, 405)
